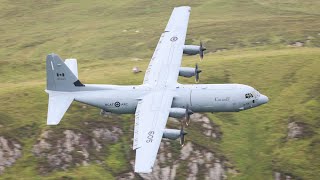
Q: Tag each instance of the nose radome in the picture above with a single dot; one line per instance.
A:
(263, 99)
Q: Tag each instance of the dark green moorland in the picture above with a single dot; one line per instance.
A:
(251, 42)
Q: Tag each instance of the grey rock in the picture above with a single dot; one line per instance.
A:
(71, 139)
(126, 176)
(294, 130)
(207, 126)
(297, 44)
(174, 171)
(193, 169)
(194, 156)
(207, 133)
(277, 176)
(10, 151)
(107, 135)
(162, 157)
(165, 172)
(280, 176)
(96, 145)
(186, 151)
(72, 148)
(209, 156)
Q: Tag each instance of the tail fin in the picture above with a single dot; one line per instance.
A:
(61, 82)
(59, 76)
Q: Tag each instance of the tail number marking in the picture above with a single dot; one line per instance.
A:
(150, 137)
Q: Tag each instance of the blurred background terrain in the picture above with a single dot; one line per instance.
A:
(268, 44)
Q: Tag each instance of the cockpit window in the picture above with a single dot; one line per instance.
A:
(248, 95)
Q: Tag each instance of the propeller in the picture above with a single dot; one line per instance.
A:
(197, 72)
(187, 115)
(202, 49)
(182, 134)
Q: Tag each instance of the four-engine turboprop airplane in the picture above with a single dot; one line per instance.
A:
(159, 97)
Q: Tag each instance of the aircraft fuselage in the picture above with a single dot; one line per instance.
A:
(198, 97)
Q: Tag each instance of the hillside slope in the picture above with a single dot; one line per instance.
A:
(250, 42)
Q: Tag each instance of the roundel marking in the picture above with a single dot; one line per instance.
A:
(174, 38)
(117, 104)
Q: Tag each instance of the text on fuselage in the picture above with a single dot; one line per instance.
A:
(116, 104)
(222, 99)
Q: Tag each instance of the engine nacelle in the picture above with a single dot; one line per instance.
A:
(191, 49)
(177, 112)
(187, 71)
(172, 134)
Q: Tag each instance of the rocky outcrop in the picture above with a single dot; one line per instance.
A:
(283, 176)
(297, 44)
(59, 150)
(210, 129)
(298, 130)
(10, 151)
(294, 130)
(194, 161)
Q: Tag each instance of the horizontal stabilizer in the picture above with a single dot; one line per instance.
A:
(58, 105)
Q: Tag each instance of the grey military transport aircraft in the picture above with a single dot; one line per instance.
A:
(159, 97)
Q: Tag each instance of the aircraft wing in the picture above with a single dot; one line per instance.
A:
(150, 121)
(164, 66)
(161, 77)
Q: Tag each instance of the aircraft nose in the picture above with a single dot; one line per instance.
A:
(263, 99)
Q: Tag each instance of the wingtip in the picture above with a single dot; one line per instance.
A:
(143, 171)
(52, 123)
(184, 7)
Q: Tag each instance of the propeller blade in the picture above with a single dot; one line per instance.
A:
(202, 49)
(197, 72)
(182, 138)
(188, 113)
(182, 135)
(201, 55)
(187, 117)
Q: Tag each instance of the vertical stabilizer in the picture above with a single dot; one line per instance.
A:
(59, 76)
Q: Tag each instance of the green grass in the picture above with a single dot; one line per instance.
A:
(102, 36)
(256, 139)
(116, 158)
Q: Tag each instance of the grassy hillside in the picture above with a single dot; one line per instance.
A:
(107, 38)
